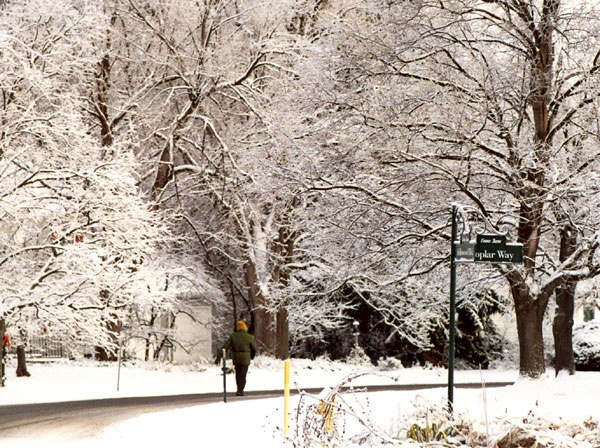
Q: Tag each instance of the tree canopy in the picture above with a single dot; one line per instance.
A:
(283, 159)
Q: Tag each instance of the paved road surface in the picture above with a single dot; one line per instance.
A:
(82, 419)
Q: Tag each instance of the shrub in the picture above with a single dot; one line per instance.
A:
(586, 346)
(478, 341)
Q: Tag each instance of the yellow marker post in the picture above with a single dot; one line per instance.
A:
(286, 396)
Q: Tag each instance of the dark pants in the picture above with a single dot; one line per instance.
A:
(241, 371)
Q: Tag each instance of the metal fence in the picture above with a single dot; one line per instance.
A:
(43, 346)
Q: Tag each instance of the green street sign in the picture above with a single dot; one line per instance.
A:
(491, 240)
(488, 248)
(465, 252)
(498, 253)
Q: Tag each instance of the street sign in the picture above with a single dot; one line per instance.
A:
(465, 252)
(491, 240)
(488, 248)
(501, 253)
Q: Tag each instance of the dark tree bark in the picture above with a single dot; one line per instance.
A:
(529, 307)
(531, 191)
(21, 362)
(562, 327)
(283, 334)
(264, 324)
(284, 247)
(103, 354)
(530, 317)
(103, 84)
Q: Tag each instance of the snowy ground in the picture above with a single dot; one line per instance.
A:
(562, 411)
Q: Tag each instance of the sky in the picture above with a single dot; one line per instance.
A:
(560, 409)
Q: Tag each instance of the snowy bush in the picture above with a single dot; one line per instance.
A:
(345, 418)
(338, 416)
(586, 346)
(385, 364)
(358, 357)
(541, 433)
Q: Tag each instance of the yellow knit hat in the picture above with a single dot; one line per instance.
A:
(241, 325)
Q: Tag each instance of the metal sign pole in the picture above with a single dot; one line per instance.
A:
(452, 331)
(489, 249)
(120, 358)
(2, 368)
(224, 358)
(4, 346)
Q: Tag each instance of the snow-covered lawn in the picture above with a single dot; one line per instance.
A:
(560, 412)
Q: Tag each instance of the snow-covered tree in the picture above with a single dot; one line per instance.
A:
(209, 142)
(78, 241)
(493, 103)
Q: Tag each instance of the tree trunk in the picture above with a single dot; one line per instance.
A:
(562, 327)
(21, 363)
(532, 192)
(103, 82)
(529, 309)
(148, 340)
(284, 246)
(263, 322)
(264, 330)
(530, 317)
(283, 334)
(147, 349)
(103, 353)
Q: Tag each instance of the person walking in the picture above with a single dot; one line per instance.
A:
(243, 349)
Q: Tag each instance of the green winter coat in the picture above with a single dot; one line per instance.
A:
(243, 347)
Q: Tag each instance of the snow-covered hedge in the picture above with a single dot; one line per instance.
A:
(586, 346)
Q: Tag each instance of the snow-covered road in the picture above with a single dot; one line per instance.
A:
(81, 419)
(561, 401)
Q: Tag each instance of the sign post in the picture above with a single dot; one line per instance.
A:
(286, 397)
(5, 345)
(452, 334)
(489, 248)
(224, 368)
